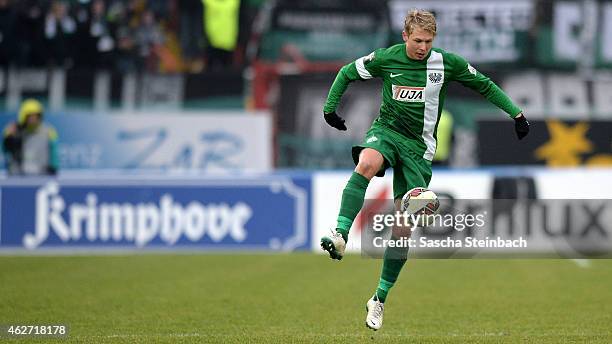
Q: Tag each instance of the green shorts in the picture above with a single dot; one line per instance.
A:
(410, 169)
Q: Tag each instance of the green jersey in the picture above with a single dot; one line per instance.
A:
(414, 90)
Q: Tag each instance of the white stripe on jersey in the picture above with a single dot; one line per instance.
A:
(435, 64)
(361, 69)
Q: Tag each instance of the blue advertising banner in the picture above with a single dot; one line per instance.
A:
(210, 142)
(271, 213)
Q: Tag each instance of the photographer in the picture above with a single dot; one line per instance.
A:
(30, 145)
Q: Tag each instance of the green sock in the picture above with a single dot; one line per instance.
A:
(352, 201)
(393, 261)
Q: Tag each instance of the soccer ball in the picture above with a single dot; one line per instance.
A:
(420, 201)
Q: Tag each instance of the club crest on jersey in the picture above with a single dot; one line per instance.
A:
(408, 94)
(435, 77)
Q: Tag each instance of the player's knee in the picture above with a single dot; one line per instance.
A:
(370, 162)
(366, 168)
(400, 232)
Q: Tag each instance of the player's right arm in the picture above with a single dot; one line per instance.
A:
(364, 68)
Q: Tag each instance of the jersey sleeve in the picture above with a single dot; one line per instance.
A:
(468, 76)
(364, 68)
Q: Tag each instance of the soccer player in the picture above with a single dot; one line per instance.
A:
(403, 136)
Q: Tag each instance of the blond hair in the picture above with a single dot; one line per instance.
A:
(420, 18)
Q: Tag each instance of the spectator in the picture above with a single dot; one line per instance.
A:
(30, 34)
(149, 37)
(126, 56)
(8, 18)
(160, 8)
(221, 27)
(95, 37)
(128, 35)
(191, 34)
(30, 145)
(60, 29)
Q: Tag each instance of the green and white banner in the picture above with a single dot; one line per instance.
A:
(479, 30)
(579, 32)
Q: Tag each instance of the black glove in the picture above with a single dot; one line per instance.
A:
(334, 120)
(521, 126)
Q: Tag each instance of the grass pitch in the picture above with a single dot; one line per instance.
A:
(305, 298)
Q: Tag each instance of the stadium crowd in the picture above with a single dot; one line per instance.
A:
(124, 35)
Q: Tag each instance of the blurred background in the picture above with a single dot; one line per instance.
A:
(173, 96)
(196, 126)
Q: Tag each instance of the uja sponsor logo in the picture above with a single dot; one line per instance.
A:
(408, 94)
(137, 223)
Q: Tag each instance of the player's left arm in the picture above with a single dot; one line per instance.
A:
(468, 76)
